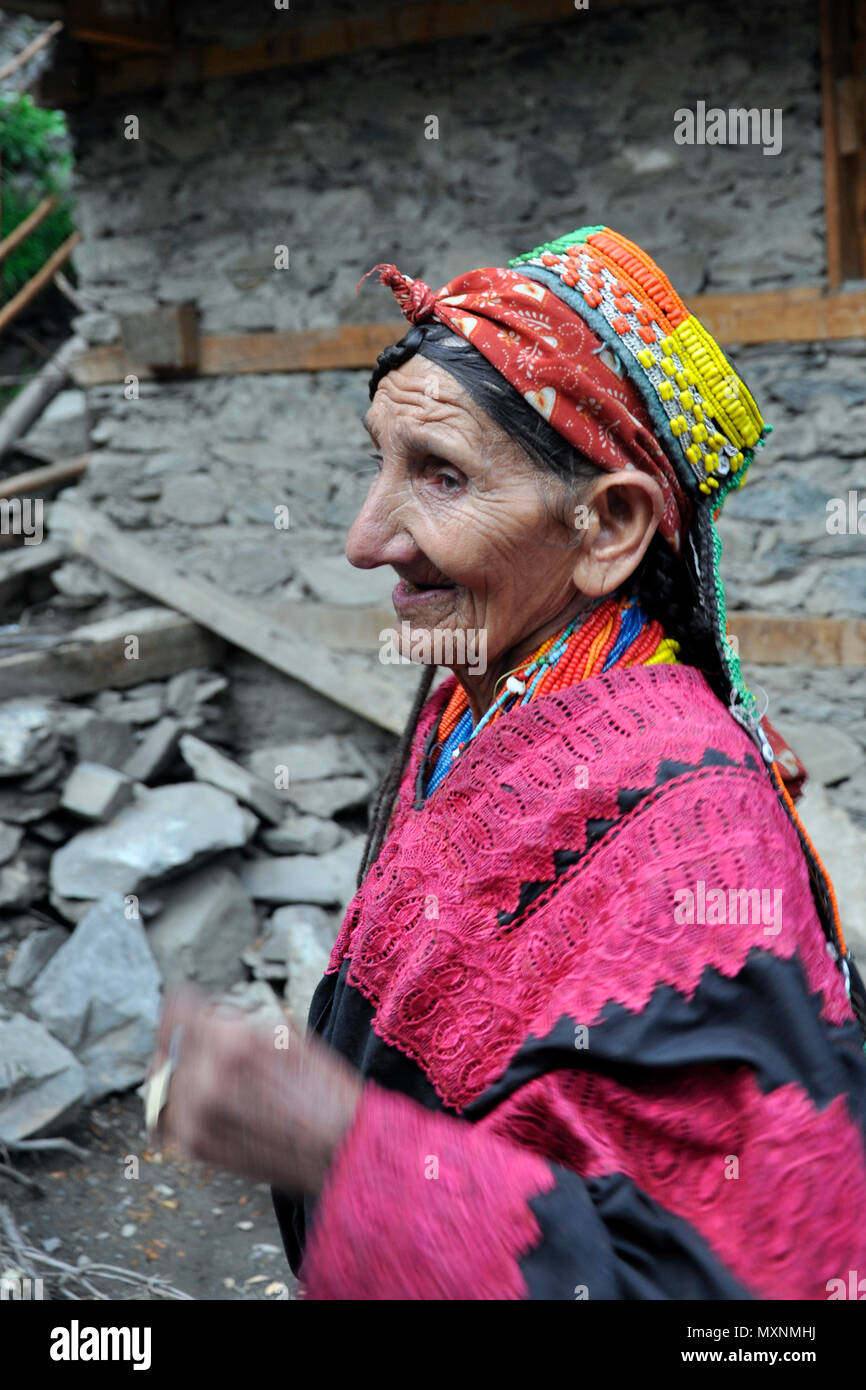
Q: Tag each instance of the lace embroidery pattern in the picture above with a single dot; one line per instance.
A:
(711, 1147)
(459, 971)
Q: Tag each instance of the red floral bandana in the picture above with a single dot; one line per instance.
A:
(558, 364)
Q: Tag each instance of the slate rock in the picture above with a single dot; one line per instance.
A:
(207, 921)
(330, 796)
(301, 834)
(156, 751)
(100, 996)
(306, 962)
(166, 829)
(96, 792)
(302, 878)
(306, 762)
(28, 740)
(209, 765)
(22, 881)
(107, 741)
(41, 1082)
(10, 838)
(33, 955)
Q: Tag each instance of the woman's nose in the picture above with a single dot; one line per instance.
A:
(379, 534)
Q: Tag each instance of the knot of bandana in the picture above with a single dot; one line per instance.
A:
(416, 299)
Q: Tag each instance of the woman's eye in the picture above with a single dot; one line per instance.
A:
(448, 481)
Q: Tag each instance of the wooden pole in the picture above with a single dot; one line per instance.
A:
(39, 479)
(32, 48)
(30, 402)
(38, 282)
(31, 221)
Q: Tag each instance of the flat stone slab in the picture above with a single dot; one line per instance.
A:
(96, 792)
(28, 739)
(34, 953)
(166, 829)
(301, 878)
(41, 1082)
(207, 921)
(309, 761)
(100, 996)
(330, 796)
(209, 765)
(302, 834)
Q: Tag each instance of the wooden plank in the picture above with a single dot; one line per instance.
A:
(395, 27)
(94, 656)
(775, 640)
(805, 314)
(28, 292)
(41, 479)
(378, 693)
(24, 228)
(88, 22)
(323, 349)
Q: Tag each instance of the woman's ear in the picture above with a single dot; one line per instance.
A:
(623, 510)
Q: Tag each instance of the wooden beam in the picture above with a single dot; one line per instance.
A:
(805, 314)
(319, 349)
(42, 479)
(30, 222)
(382, 694)
(28, 292)
(799, 641)
(88, 23)
(764, 638)
(798, 315)
(95, 657)
(396, 27)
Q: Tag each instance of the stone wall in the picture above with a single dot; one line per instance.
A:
(539, 130)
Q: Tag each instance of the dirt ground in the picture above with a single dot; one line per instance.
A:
(205, 1232)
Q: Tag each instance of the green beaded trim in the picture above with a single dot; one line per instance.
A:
(734, 480)
(561, 244)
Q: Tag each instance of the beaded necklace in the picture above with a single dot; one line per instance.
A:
(618, 633)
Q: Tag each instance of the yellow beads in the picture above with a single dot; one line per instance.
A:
(666, 391)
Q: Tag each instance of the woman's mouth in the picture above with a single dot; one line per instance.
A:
(407, 594)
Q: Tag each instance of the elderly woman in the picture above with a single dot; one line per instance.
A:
(590, 1027)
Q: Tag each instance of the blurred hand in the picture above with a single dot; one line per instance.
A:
(241, 1099)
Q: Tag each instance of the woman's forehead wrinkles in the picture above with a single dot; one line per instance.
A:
(425, 417)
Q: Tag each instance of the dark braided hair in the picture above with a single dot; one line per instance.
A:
(668, 587)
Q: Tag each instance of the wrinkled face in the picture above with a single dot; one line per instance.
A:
(459, 511)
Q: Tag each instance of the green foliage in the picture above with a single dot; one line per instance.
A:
(36, 161)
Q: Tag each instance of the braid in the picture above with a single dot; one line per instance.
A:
(387, 794)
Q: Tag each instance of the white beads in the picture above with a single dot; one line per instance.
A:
(515, 686)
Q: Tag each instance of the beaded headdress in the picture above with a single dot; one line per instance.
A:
(592, 333)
